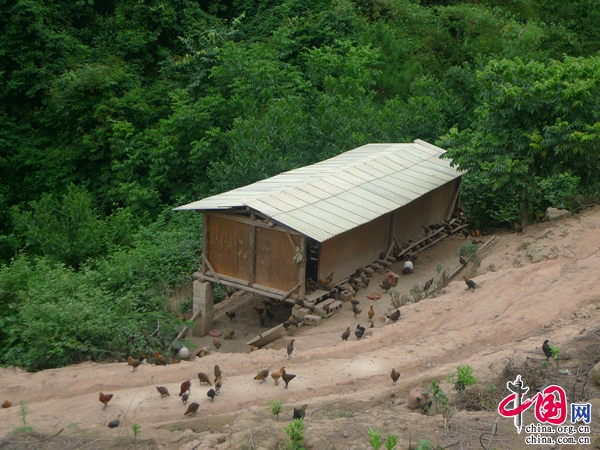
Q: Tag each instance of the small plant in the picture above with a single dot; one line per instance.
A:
(440, 399)
(73, 426)
(443, 280)
(416, 294)
(424, 444)
(374, 438)
(462, 379)
(396, 297)
(295, 430)
(275, 406)
(468, 251)
(392, 441)
(23, 411)
(137, 429)
(545, 364)
(343, 414)
(555, 351)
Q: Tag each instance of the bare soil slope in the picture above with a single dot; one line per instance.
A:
(347, 385)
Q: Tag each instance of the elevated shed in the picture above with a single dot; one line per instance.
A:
(333, 216)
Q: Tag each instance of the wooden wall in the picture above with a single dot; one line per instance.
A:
(229, 247)
(348, 251)
(274, 254)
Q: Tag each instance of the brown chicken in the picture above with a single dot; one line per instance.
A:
(192, 409)
(346, 334)
(392, 278)
(465, 232)
(470, 283)
(414, 256)
(300, 413)
(329, 278)
(105, 398)
(427, 285)
(160, 359)
(356, 311)
(427, 230)
(231, 315)
(326, 308)
(204, 378)
(371, 314)
(518, 228)
(262, 375)
(260, 311)
(217, 371)
(164, 392)
(217, 343)
(218, 384)
(393, 317)
(385, 285)
(287, 377)
(290, 348)
(6, 404)
(277, 375)
(252, 348)
(185, 387)
(229, 335)
(135, 363)
(395, 375)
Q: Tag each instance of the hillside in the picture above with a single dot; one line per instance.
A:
(346, 384)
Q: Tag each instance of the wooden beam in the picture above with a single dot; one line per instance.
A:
(257, 289)
(302, 269)
(391, 238)
(290, 292)
(236, 218)
(454, 202)
(185, 329)
(228, 278)
(205, 231)
(252, 266)
(211, 269)
(291, 241)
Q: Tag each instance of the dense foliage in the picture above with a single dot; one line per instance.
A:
(112, 112)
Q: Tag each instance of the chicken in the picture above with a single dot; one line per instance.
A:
(329, 278)
(115, 422)
(547, 350)
(300, 413)
(392, 278)
(164, 392)
(465, 232)
(160, 359)
(359, 332)
(135, 363)
(354, 302)
(185, 397)
(385, 285)
(229, 335)
(277, 375)
(371, 313)
(270, 315)
(470, 283)
(192, 409)
(252, 348)
(408, 267)
(395, 375)
(105, 398)
(185, 387)
(6, 404)
(393, 317)
(518, 228)
(326, 308)
(414, 256)
(217, 371)
(261, 321)
(268, 302)
(211, 393)
(287, 377)
(372, 325)
(218, 385)
(356, 311)
(290, 348)
(217, 343)
(427, 229)
(346, 334)
(427, 285)
(464, 261)
(260, 311)
(204, 378)
(291, 321)
(262, 375)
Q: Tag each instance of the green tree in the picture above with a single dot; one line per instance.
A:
(535, 121)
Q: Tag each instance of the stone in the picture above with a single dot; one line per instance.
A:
(417, 398)
(556, 214)
(595, 373)
(300, 313)
(312, 320)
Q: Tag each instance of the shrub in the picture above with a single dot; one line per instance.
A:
(462, 379)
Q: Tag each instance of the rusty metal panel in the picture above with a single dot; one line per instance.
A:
(229, 247)
(346, 252)
(274, 259)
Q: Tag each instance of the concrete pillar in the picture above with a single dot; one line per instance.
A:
(204, 301)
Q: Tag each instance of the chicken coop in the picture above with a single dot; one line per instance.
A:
(330, 217)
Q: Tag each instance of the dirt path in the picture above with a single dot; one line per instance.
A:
(516, 307)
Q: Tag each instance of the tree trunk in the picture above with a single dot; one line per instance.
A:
(525, 212)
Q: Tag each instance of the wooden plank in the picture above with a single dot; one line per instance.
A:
(185, 329)
(252, 268)
(256, 289)
(258, 223)
(302, 269)
(205, 231)
(291, 291)
(212, 270)
(274, 259)
(227, 277)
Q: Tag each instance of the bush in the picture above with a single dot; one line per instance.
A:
(462, 379)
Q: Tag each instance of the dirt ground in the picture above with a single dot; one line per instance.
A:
(347, 385)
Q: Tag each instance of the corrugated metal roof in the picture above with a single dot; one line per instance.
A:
(343, 192)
